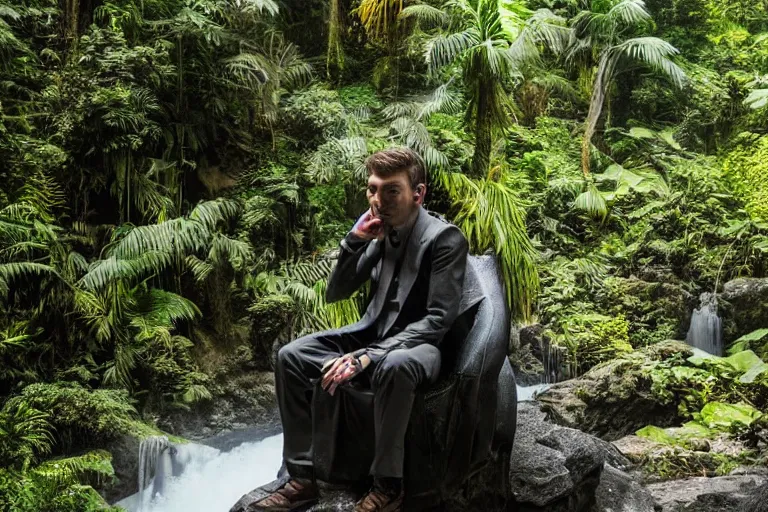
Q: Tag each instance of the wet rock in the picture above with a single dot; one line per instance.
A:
(744, 306)
(125, 461)
(614, 399)
(553, 467)
(758, 501)
(702, 494)
(618, 492)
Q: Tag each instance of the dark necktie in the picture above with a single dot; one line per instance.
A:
(394, 238)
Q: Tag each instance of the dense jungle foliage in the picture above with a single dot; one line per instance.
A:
(175, 175)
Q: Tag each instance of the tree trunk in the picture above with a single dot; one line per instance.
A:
(482, 157)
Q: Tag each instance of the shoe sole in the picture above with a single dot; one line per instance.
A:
(296, 507)
(396, 506)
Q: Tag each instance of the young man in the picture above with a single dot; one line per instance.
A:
(416, 264)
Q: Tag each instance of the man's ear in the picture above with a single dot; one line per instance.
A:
(419, 193)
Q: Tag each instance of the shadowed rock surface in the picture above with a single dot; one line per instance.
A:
(701, 494)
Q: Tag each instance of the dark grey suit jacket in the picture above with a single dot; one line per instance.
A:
(431, 282)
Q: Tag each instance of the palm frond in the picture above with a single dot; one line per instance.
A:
(19, 270)
(25, 432)
(260, 6)
(210, 213)
(629, 12)
(492, 216)
(109, 270)
(225, 249)
(165, 309)
(426, 15)
(592, 202)
(445, 49)
(250, 69)
(199, 268)
(66, 471)
(655, 53)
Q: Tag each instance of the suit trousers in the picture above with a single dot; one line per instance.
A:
(394, 381)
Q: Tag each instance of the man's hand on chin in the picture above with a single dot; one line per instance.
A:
(369, 226)
(341, 369)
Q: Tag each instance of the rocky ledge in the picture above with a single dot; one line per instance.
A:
(553, 469)
(560, 469)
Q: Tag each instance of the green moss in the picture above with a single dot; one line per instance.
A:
(655, 311)
(603, 341)
(746, 167)
(678, 462)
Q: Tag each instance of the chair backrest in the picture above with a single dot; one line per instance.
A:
(478, 337)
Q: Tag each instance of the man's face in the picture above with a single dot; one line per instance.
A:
(392, 199)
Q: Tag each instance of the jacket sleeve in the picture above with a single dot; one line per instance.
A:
(446, 282)
(353, 268)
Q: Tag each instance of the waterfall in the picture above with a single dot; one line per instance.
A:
(706, 330)
(150, 457)
(552, 360)
(195, 477)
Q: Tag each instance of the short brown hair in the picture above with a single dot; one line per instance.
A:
(391, 161)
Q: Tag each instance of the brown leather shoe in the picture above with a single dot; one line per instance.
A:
(289, 496)
(377, 501)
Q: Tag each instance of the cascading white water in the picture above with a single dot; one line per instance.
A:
(526, 393)
(706, 331)
(197, 478)
(150, 451)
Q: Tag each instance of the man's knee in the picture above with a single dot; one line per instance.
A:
(291, 353)
(413, 365)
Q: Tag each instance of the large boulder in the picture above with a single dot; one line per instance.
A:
(614, 399)
(551, 468)
(656, 305)
(701, 494)
(744, 306)
(618, 492)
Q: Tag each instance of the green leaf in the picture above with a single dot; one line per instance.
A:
(656, 434)
(668, 136)
(757, 335)
(744, 361)
(693, 430)
(719, 415)
(642, 133)
(753, 373)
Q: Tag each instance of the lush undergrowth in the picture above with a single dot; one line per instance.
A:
(174, 174)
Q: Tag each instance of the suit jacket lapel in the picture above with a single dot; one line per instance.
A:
(411, 260)
(386, 272)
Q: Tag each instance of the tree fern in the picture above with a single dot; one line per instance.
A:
(25, 434)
